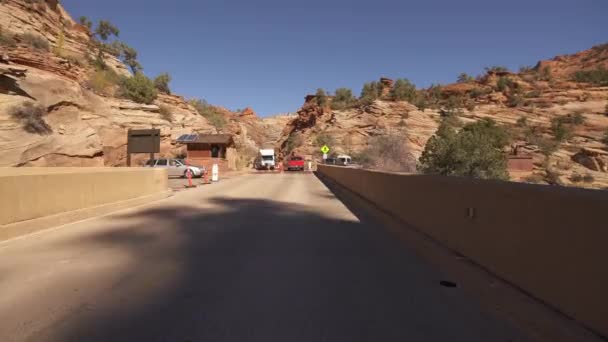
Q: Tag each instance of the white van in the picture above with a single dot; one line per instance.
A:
(343, 159)
(266, 159)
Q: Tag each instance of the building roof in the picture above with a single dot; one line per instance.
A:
(225, 139)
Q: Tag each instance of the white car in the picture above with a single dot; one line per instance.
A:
(176, 167)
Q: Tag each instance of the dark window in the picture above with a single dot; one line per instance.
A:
(162, 162)
(296, 158)
(215, 151)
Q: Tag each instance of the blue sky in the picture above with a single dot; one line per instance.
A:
(268, 54)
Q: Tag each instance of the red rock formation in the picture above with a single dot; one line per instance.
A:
(387, 85)
(248, 113)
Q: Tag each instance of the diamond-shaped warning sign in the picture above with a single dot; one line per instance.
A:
(325, 149)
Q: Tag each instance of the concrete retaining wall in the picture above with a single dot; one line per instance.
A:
(551, 242)
(29, 193)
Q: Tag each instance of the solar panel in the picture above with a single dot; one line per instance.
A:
(187, 138)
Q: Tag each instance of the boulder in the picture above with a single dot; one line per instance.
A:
(593, 159)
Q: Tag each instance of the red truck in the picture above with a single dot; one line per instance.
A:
(295, 163)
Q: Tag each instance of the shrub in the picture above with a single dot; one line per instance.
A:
(388, 152)
(403, 90)
(465, 78)
(534, 179)
(421, 103)
(321, 97)
(165, 113)
(503, 83)
(32, 118)
(514, 100)
(605, 138)
(526, 69)
(496, 68)
(323, 139)
(84, 21)
(35, 41)
(294, 141)
(576, 178)
(577, 119)
(6, 38)
(129, 56)
(102, 80)
(343, 99)
(546, 146)
(606, 110)
(597, 77)
(209, 112)
(588, 178)
(138, 88)
(370, 92)
(475, 151)
(161, 82)
(561, 131)
(478, 92)
(545, 74)
(533, 94)
(522, 121)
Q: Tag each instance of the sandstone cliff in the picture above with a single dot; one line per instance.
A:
(528, 103)
(87, 127)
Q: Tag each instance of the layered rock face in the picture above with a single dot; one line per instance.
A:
(86, 128)
(539, 102)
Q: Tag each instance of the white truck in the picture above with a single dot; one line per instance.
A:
(266, 159)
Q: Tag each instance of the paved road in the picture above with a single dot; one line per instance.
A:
(257, 258)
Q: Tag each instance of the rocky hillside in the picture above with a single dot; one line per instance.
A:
(56, 110)
(534, 105)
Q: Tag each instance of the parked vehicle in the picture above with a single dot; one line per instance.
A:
(176, 167)
(266, 160)
(295, 163)
(343, 159)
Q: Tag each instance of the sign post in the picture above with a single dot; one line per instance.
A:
(143, 141)
(325, 150)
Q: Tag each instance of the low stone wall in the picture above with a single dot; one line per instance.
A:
(30, 193)
(549, 241)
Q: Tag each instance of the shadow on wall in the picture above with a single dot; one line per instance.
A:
(258, 270)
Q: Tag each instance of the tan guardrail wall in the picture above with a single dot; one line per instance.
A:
(29, 193)
(551, 242)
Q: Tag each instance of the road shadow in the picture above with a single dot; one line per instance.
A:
(260, 270)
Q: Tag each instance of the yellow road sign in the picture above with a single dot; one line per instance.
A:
(325, 149)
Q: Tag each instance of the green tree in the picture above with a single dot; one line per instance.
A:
(598, 76)
(388, 152)
(161, 82)
(138, 88)
(321, 97)
(496, 69)
(129, 57)
(370, 92)
(323, 139)
(475, 151)
(504, 83)
(103, 32)
(343, 99)
(84, 21)
(294, 141)
(465, 78)
(403, 90)
(209, 112)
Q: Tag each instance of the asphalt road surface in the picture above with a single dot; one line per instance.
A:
(268, 257)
